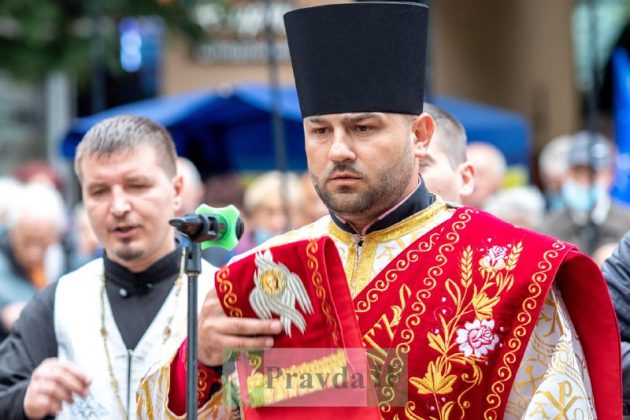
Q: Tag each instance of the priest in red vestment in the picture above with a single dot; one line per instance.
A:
(424, 310)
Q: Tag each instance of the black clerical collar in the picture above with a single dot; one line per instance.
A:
(166, 268)
(419, 200)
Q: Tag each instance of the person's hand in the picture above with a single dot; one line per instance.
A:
(53, 382)
(219, 334)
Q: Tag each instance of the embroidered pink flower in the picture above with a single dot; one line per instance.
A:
(495, 258)
(477, 338)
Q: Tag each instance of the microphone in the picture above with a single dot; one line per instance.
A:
(218, 227)
(206, 227)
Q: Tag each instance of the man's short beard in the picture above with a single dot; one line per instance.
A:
(128, 254)
(350, 202)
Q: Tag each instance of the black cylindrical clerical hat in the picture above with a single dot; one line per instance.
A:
(359, 57)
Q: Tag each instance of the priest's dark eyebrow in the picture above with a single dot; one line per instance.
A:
(348, 119)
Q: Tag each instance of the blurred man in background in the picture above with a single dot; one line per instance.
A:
(490, 168)
(552, 166)
(193, 191)
(445, 168)
(522, 206)
(590, 218)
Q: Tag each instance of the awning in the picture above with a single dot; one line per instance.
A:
(230, 129)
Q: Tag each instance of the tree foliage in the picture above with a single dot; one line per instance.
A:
(37, 36)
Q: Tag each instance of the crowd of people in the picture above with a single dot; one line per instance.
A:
(42, 240)
(93, 300)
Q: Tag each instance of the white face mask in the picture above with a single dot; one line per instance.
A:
(581, 198)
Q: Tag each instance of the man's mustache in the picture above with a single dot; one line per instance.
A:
(346, 168)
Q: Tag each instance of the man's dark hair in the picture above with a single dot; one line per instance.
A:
(127, 132)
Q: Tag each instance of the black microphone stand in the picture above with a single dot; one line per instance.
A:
(199, 228)
(192, 268)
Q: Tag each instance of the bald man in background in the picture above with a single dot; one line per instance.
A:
(490, 168)
(192, 193)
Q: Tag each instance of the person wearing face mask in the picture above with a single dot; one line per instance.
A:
(552, 165)
(590, 218)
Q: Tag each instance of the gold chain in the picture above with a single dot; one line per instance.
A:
(166, 334)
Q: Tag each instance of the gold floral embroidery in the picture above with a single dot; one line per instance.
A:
(418, 307)
(470, 345)
(482, 304)
(436, 381)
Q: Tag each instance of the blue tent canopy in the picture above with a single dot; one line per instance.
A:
(230, 130)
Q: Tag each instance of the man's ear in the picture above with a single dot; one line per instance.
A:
(423, 128)
(178, 186)
(467, 178)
